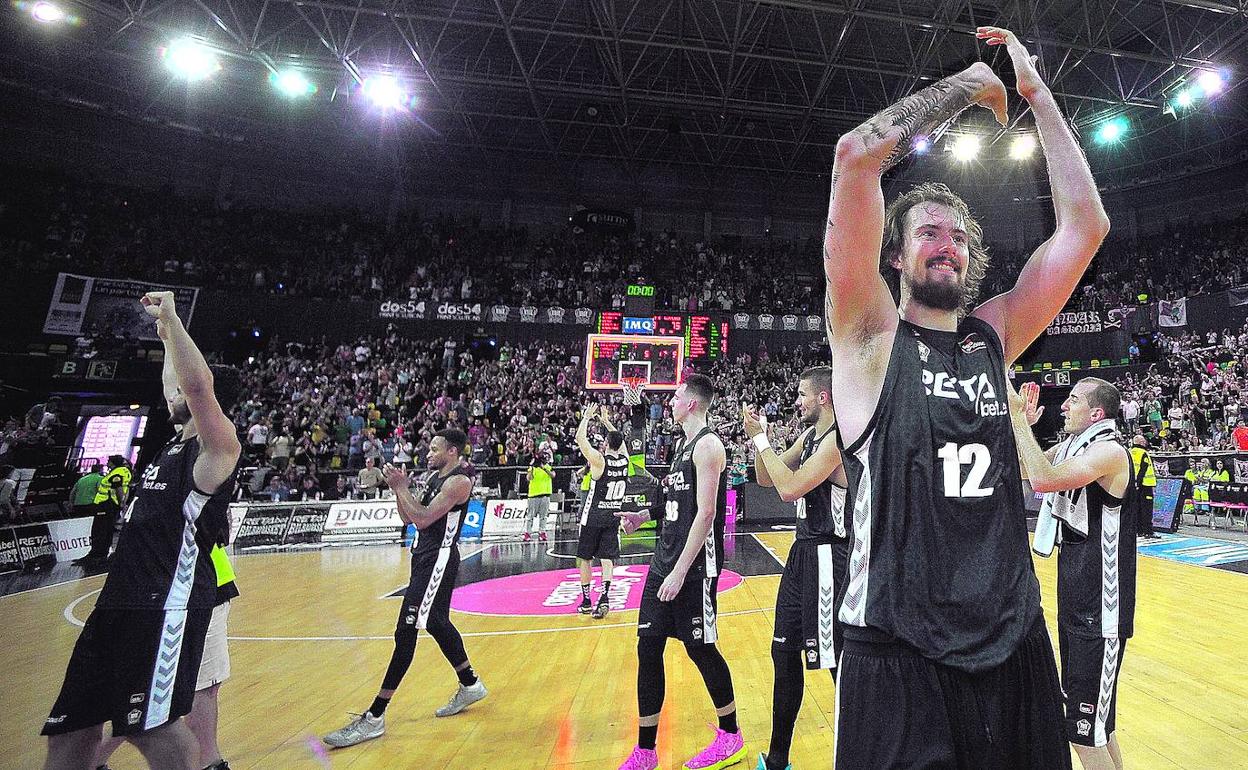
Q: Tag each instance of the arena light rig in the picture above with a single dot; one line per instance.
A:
(386, 92)
(191, 59)
(965, 147)
(292, 84)
(46, 12)
(1022, 147)
(1112, 131)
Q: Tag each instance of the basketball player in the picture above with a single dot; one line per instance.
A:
(600, 529)
(136, 660)
(810, 474)
(438, 517)
(679, 596)
(947, 662)
(1090, 499)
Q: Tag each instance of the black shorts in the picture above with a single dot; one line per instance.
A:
(691, 617)
(598, 542)
(135, 668)
(898, 709)
(427, 600)
(810, 590)
(1090, 668)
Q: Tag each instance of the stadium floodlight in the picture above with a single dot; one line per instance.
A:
(384, 91)
(965, 147)
(921, 145)
(1022, 147)
(191, 59)
(1209, 82)
(47, 13)
(1112, 131)
(1183, 99)
(292, 84)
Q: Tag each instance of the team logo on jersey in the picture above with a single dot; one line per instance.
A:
(924, 352)
(1087, 708)
(133, 717)
(136, 698)
(500, 312)
(977, 389)
(1083, 726)
(971, 343)
(175, 449)
(696, 633)
(812, 656)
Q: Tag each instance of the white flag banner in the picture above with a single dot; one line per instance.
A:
(1172, 312)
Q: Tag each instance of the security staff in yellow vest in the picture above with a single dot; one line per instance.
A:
(1145, 482)
(541, 484)
(110, 496)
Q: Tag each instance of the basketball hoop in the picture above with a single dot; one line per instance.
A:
(632, 387)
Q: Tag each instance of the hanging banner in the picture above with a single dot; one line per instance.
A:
(1172, 312)
(82, 303)
(475, 312)
(1084, 322)
(1237, 296)
(34, 546)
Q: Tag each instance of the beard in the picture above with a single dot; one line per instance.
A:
(809, 417)
(938, 295)
(180, 414)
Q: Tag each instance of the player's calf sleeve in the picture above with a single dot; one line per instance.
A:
(714, 670)
(450, 642)
(650, 677)
(786, 702)
(401, 659)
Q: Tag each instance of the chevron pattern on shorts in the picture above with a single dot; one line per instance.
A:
(1110, 539)
(710, 624)
(165, 674)
(854, 609)
(1105, 698)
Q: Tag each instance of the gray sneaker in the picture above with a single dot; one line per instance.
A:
(364, 728)
(462, 699)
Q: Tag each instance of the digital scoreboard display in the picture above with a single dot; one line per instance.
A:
(611, 358)
(705, 338)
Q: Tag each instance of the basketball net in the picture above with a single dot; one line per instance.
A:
(632, 387)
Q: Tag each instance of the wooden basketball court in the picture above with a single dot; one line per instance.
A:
(311, 639)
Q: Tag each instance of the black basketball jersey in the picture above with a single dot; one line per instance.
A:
(163, 559)
(821, 511)
(606, 494)
(940, 554)
(680, 508)
(1096, 574)
(444, 532)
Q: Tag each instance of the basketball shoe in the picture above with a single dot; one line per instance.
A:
(462, 699)
(641, 759)
(725, 750)
(364, 728)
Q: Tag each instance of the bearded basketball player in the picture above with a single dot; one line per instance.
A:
(947, 662)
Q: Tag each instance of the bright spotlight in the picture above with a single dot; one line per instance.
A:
(1183, 99)
(191, 59)
(385, 92)
(965, 147)
(1111, 131)
(1210, 82)
(47, 13)
(1022, 147)
(292, 84)
(922, 145)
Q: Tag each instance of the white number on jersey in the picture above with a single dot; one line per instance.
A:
(673, 510)
(801, 508)
(974, 455)
(615, 490)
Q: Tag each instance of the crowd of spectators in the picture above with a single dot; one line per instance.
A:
(59, 223)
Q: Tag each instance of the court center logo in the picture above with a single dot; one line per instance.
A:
(558, 592)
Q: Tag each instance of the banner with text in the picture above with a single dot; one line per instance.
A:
(9, 560)
(477, 312)
(363, 520)
(85, 304)
(787, 322)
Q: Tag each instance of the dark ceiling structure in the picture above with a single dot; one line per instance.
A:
(706, 87)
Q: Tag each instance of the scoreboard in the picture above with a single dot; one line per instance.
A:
(609, 358)
(705, 337)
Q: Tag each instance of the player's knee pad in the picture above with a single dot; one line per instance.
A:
(405, 636)
(650, 649)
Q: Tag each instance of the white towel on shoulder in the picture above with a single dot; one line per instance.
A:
(1061, 505)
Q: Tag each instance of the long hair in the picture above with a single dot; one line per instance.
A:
(895, 239)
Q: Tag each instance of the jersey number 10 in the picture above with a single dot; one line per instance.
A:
(974, 455)
(615, 490)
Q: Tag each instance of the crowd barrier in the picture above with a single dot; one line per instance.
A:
(39, 546)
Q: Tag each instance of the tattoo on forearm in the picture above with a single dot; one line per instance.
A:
(888, 135)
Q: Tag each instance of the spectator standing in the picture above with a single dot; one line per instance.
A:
(368, 481)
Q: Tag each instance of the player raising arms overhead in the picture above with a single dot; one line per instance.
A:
(947, 662)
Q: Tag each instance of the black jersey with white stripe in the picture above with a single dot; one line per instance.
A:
(163, 559)
(821, 511)
(606, 494)
(680, 508)
(444, 532)
(1096, 574)
(940, 556)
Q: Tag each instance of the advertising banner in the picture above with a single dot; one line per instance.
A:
(34, 546)
(1084, 322)
(788, 322)
(9, 560)
(363, 520)
(474, 521)
(264, 525)
(476, 312)
(71, 538)
(306, 524)
(82, 303)
(505, 517)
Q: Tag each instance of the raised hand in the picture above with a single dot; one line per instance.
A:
(1027, 77)
(159, 305)
(1031, 400)
(396, 478)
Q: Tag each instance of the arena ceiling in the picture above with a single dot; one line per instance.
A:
(701, 85)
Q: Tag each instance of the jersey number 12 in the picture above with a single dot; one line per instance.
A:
(974, 455)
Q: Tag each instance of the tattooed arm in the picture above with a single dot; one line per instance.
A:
(857, 298)
(1054, 269)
